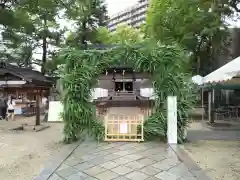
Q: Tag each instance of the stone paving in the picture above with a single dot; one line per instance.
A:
(196, 135)
(124, 161)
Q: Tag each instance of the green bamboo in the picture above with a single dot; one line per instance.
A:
(167, 65)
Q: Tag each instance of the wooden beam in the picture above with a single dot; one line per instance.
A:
(38, 109)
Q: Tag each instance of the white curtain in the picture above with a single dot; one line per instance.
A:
(147, 92)
(99, 92)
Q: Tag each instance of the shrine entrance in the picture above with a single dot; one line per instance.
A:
(119, 127)
(125, 108)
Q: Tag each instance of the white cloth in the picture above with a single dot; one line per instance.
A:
(11, 106)
(44, 101)
(147, 92)
(99, 92)
(197, 80)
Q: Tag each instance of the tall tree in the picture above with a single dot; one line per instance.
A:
(17, 48)
(41, 32)
(10, 16)
(123, 34)
(196, 25)
(87, 16)
(48, 31)
(15, 26)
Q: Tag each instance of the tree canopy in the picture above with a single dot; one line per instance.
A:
(87, 16)
(32, 33)
(123, 34)
(197, 26)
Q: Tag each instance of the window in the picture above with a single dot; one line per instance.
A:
(129, 86)
(123, 86)
(118, 86)
(237, 92)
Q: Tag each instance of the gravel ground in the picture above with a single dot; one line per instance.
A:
(220, 159)
(24, 154)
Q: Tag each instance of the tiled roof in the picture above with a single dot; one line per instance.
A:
(24, 73)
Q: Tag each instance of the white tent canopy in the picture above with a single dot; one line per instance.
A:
(224, 73)
(197, 80)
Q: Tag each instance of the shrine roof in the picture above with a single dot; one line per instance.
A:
(26, 74)
(120, 68)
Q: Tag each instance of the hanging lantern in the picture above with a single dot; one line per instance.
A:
(123, 72)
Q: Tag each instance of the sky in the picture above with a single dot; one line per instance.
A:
(115, 6)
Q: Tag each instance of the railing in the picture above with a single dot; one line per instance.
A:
(124, 95)
(31, 111)
(124, 128)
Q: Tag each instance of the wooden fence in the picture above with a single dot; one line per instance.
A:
(120, 127)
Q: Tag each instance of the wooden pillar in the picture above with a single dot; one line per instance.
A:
(227, 97)
(209, 105)
(203, 108)
(134, 85)
(213, 112)
(38, 109)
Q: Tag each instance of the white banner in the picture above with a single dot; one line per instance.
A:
(54, 111)
(172, 119)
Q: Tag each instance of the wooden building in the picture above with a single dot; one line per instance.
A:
(25, 85)
(127, 101)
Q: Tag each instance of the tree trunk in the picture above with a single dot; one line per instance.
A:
(212, 66)
(84, 34)
(198, 65)
(197, 56)
(44, 46)
(28, 60)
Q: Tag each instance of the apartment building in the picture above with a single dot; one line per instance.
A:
(133, 16)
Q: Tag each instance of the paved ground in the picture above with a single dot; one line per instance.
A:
(196, 135)
(197, 132)
(126, 161)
